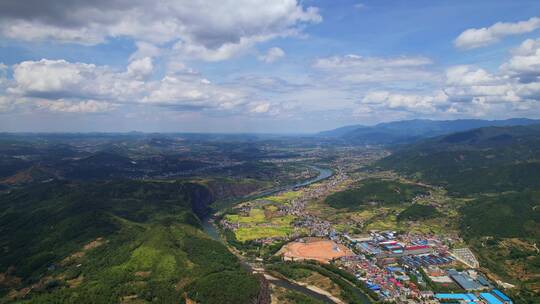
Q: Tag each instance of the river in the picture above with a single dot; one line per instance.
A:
(211, 230)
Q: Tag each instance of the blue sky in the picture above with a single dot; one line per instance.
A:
(263, 66)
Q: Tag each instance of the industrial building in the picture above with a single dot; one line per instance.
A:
(465, 281)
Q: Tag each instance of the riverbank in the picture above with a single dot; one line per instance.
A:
(210, 228)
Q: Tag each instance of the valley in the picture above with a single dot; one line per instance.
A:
(297, 223)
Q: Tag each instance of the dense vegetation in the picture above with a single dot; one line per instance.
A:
(352, 290)
(476, 161)
(386, 192)
(418, 212)
(504, 215)
(114, 242)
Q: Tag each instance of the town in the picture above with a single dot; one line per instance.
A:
(396, 266)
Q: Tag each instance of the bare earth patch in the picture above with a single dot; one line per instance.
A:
(321, 250)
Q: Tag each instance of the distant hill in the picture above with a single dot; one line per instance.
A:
(408, 131)
(492, 159)
(374, 191)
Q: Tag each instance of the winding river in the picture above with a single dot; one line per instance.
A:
(211, 230)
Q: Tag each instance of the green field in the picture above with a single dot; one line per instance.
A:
(257, 232)
(256, 215)
(284, 197)
(263, 221)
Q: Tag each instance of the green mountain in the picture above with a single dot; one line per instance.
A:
(115, 242)
(375, 191)
(493, 159)
(409, 131)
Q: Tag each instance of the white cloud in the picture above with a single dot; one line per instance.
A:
(272, 55)
(513, 89)
(228, 50)
(55, 79)
(479, 37)
(260, 107)
(409, 102)
(355, 61)
(357, 69)
(140, 68)
(89, 106)
(468, 75)
(145, 49)
(59, 85)
(210, 30)
(525, 62)
(191, 91)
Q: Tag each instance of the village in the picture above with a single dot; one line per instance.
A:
(398, 266)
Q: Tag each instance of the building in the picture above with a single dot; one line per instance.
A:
(490, 299)
(466, 297)
(419, 249)
(502, 296)
(464, 280)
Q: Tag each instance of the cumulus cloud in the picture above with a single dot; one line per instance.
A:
(189, 91)
(468, 90)
(55, 79)
(215, 30)
(516, 82)
(62, 86)
(525, 62)
(468, 75)
(272, 55)
(479, 37)
(140, 68)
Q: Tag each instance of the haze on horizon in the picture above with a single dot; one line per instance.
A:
(263, 66)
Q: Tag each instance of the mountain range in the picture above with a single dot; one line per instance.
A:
(409, 131)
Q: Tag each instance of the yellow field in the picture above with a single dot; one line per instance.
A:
(255, 216)
(285, 197)
(257, 232)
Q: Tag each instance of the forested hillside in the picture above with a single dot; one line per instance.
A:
(111, 242)
(375, 191)
(409, 131)
(481, 160)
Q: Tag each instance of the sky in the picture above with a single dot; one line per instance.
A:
(280, 66)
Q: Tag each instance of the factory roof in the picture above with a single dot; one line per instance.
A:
(464, 280)
(501, 295)
(491, 299)
(456, 296)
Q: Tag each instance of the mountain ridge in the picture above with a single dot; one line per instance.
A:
(408, 131)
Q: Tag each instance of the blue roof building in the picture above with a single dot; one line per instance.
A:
(491, 299)
(502, 296)
(469, 297)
